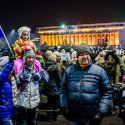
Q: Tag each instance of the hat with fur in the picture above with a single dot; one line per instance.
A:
(82, 48)
(22, 29)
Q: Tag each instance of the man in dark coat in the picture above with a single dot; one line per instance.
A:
(85, 91)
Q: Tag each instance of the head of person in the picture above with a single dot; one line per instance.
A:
(50, 55)
(100, 57)
(58, 56)
(111, 58)
(83, 55)
(74, 57)
(29, 57)
(24, 33)
(63, 50)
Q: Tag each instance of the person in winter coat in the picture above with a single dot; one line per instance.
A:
(52, 86)
(22, 44)
(112, 68)
(7, 109)
(28, 96)
(73, 59)
(85, 91)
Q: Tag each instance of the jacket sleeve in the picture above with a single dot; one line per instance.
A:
(5, 72)
(106, 94)
(118, 72)
(17, 47)
(63, 92)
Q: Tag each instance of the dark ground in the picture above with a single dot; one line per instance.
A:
(42, 118)
(114, 120)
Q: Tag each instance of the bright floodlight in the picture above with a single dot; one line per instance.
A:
(63, 26)
(13, 30)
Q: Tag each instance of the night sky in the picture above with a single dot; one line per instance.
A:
(39, 13)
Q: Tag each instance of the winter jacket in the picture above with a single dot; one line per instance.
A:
(17, 47)
(87, 90)
(52, 87)
(28, 96)
(7, 108)
(114, 72)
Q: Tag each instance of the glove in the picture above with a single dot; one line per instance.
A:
(31, 44)
(36, 77)
(25, 77)
(67, 114)
(28, 48)
(98, 118)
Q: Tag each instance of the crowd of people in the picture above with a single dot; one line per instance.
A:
(80, 87)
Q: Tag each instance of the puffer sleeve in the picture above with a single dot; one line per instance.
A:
(106, 94)
(6, 71)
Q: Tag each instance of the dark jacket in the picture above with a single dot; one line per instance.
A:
(7, 109)
(87, 90)
(52, 86)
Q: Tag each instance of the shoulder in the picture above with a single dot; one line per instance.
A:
(96, 69)
(52, 67)
(72, 68)
(17, 42)
(97, 66)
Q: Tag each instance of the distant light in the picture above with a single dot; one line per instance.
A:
(63, 26)
(13, 30)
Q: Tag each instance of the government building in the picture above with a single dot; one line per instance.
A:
(92, 34)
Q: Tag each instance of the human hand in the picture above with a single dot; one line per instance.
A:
(25, 77)
(36, 77)
(98, 118)
(31, 44)
(28, 47)
(67, 114)
(23, 48)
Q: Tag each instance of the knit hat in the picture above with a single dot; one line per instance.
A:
(82, 48)
(28, 53)
(22, 29)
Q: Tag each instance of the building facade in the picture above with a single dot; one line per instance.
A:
(91, 34)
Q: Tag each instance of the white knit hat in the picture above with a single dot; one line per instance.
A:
(22, 29)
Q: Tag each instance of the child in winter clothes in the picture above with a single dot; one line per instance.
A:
(23, 43)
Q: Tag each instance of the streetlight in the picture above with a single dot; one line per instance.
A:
(12, 36)
(68, 29)
(63, 26)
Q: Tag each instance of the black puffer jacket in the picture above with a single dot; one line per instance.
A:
(87, 90)
(52, 87)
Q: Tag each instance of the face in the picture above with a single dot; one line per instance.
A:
(84, 58)
(30, 60)
(110, 59)
(74, 59)
(58, 58)
(25, 35)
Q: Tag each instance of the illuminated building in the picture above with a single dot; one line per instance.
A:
(91, 34)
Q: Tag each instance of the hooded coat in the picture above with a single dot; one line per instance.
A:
(7, 108)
